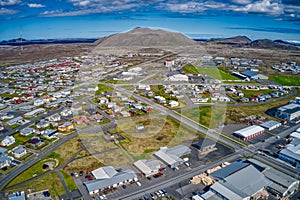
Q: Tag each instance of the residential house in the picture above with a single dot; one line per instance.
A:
(36, 141)
(65, 127)
(5, 160)
(50, 133)
(38, 102)
(54, 118)
(27, 131)
(19, 151)
(8, 140)
(173, 103)
(42, 124)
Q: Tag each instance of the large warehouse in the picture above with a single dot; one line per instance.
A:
(172, 156)
(270, 125)
(249, 132)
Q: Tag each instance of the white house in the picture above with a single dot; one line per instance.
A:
(38, 102)
(19, 151)
(8, 140)
(173, 103)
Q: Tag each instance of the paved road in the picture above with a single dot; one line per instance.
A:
(25, 166)
(32, 121)
(177, 179)
(176, 116)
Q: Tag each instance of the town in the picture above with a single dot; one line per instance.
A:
(149, 124)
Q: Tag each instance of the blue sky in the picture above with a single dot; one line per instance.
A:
(43, 19)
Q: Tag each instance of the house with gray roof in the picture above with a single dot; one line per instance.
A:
(148, 167)
(5, 160)
(108, 177)
(19, 151)
(172, 156)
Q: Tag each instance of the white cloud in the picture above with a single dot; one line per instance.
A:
(191, 6)
(242, 1)
(8, 2)
(263, 6)
(5, 11)
(35, 5)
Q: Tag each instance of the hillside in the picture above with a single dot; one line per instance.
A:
(238, 40)
(145, 37)
(269, 44)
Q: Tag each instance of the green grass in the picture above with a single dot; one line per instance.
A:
(103, 88)
(49, 182)
(69, 180)
(207, 116)
(286, 80)
(250, 93)
(36, 169)
(159, 91)
(215, 73)
(190, 69)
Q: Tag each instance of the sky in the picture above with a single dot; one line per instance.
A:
(202, 19)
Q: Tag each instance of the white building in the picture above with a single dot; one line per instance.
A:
(178, 78)
(173, 103)
(249, 132)
(148, 167)
(108, 177)
(8, 140)
(19, 151)
(270, 125)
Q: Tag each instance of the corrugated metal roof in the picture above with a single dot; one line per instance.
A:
(147, 166)
(228, 170)
(248, 131)
(104, 172)
(98, 184)
(279, 177)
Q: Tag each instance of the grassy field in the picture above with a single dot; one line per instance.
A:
(190, 69)
(49, 182)
(235, 113)
(103, 88)
(207, 115)
(215, 73)
(66, 151)
(29, 173)
(249, 93)
(159, 91)
(69, 180)
(158, 132)
(85, 163)
(286, 80)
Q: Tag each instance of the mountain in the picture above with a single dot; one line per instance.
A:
(276, 44)
(238, 40)
(145, 37)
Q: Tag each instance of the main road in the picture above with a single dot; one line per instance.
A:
(213, 134)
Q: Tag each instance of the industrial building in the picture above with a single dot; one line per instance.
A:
(148, 167)
(172, 156)
(282, 185)
(249, 132)
(231, 182)
(253, 75)
(108, 177)
(288, 112)
(270, 125)
(291, 153)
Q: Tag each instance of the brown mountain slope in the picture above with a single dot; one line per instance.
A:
(145, 37)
